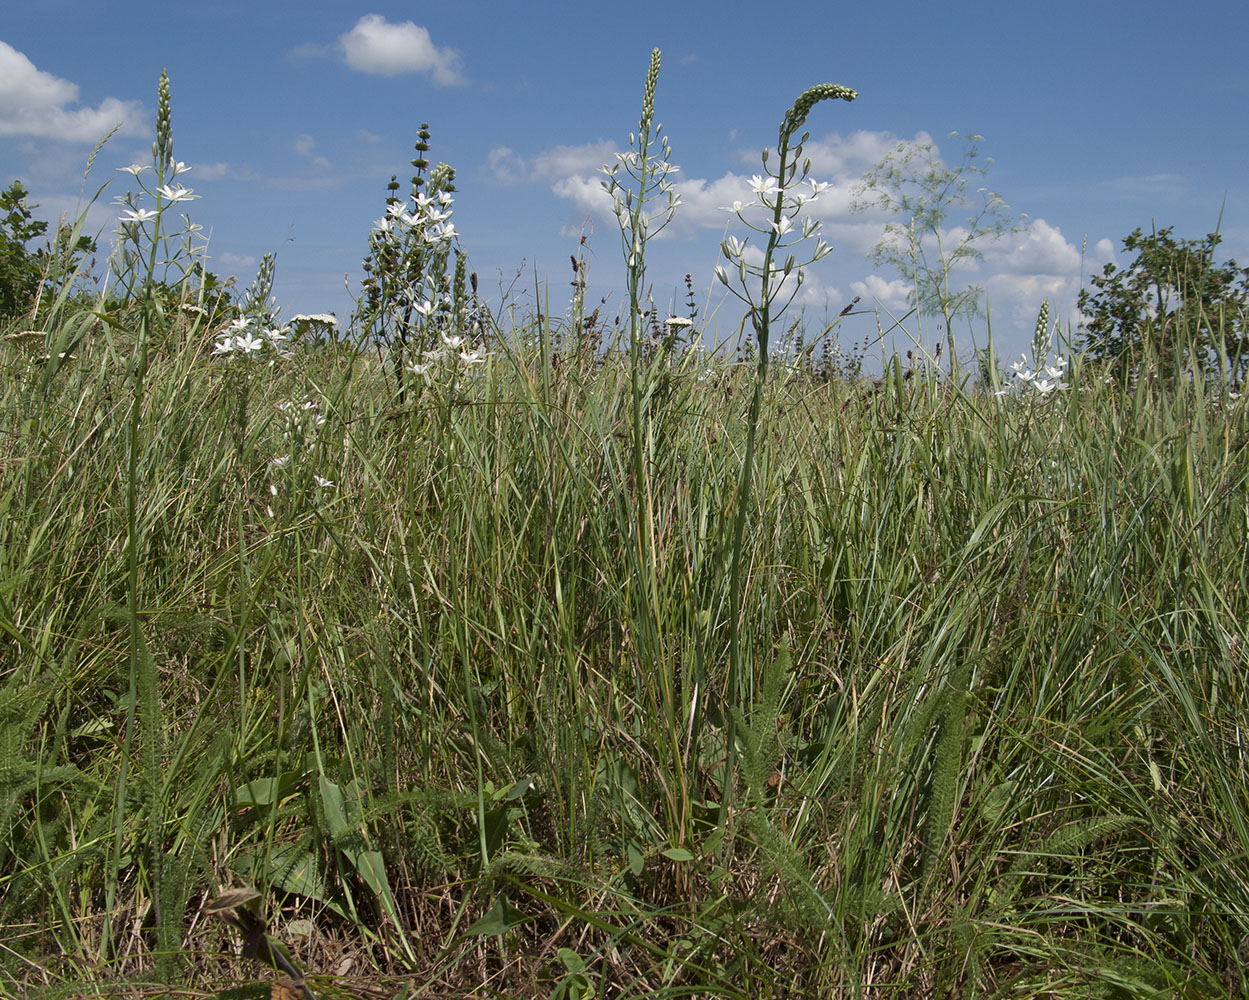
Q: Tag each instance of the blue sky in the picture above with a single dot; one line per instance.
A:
(1099, 118)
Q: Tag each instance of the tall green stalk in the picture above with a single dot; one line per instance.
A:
(762, 313)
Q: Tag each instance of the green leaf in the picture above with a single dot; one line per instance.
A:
(499, 919)
(334, 808)
(678, 854)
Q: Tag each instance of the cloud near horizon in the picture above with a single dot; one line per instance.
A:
(380, 48)
(1018, 271)
(37, 104)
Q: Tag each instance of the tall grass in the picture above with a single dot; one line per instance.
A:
(992, 649)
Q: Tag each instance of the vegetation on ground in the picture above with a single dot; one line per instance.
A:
(541, 655)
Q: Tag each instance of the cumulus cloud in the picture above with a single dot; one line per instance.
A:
(1018, 270)
(380, 48)
(889, 295)
(36, 103)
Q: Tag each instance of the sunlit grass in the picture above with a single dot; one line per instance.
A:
(945, 699)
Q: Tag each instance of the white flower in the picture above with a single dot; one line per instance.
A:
(175, 194)
(134, 168)
(722, 274)
(225, 346)
(138, 215)
(784, 226)
(764, 187)
(733, 248)
(281, 462)
(425, 308)
(817, 188)
(453, 343)
(177, 167)
(248, 343)
(678, 321)
(470, 358)
(735, 208)
(416, 368)
(323, 482)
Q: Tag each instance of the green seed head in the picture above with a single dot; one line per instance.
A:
(648, 96)
(162, 148)
(796, 115)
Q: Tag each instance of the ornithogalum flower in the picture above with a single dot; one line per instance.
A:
(138, 215)
(764, 188)
(248, 343)
(173, 194)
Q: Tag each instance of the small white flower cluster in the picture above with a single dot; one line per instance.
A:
(430, 221)
(453, 350)
(635, 216)
(300, 424)
(770, 196)
(247, 336)
(1043, 382)
(167, 194)
(134, 217)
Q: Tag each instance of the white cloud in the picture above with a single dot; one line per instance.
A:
(555, 164)
(889, 295)
(1040, 249)
(223, 171)
(586, 193)
(35, 103)
(305, 145)
(234, 260)
(380, 48)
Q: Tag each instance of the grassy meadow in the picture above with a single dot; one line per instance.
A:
(554, 657)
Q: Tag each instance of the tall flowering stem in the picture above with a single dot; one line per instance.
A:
(778, 193)
(408, 301)
(645, 201)
(144, 240)
(640, 217)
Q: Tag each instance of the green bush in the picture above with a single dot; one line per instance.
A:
(23, 272)
(1173, 308)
